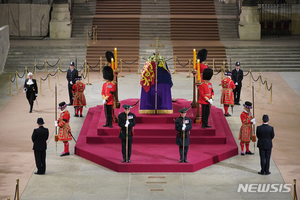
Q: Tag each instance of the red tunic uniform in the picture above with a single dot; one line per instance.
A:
(79, 97)
(206, 92)
(108, 89)
(64, 127)
(227, 93)
(246, 130)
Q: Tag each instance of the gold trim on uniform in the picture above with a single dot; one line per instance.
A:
(158, 111)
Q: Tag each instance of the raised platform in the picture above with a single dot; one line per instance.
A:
(154, 148)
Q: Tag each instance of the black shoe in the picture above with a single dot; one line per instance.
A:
(208, 126)
(128, 161)
(65, 154)
(30, 111)
(185, 161)
(242, 154)
(76, 115)
(249, 152)
(180, 161)
(237, 103)
(227, 115)
(110, 126)
(203, 126)
(267, 173)
(37, 173)
(81, 116)
(261, 173)
(105, 125)
(123, 160)
(70, 104)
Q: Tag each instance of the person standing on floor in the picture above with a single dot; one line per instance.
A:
(227, 93)
(31, 89)
(108, 90)
(72, 73)
(79, 97)
(246, 130)
(183, 124)
(39, 138)
(237, 77)
(64, 128)
(126, 122)
(265, 135)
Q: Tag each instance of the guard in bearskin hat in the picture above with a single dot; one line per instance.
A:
(64, 127)
(227, 97)
(109, 55)
(246, 130)
(202, 55)
(108, 90)
(206, 96)
(79, 97)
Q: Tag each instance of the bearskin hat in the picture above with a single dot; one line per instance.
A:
(202, 55)
(207, 74)
(108, 73)
(109, 55)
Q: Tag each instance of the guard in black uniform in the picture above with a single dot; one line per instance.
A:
(237, 77)
(124, 123)
(183, 123)
(31, 89)
(72, 73)
(39, 137)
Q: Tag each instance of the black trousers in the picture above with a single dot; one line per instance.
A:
(186, 148)
(40, 161)
(265, 155)
(237, 93)
(205, 114)
(30, 97)
(108, 114)
(124, 148)
(70, 86)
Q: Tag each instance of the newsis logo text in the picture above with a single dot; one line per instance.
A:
(264, 187)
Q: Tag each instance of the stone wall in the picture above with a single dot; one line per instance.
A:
(4, 46)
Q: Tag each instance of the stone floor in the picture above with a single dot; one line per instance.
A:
(73, 177)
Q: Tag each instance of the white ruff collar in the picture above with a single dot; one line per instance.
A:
(64, 110)
(29, 82)
(246, 111)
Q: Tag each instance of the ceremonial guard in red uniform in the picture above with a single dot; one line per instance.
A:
(227, 97)
(206, 96)
(109, 55)
(202, 55)
(108, 90)
(183, 123)
(64, 128)
(246, 130)
(79, 97)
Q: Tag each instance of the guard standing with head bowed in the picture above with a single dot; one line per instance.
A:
(206, 96)
(237, 77)
(108, 90)
(31, 89)
(183, 125)
(109, 55)
(72, 73)
(246, 130)
(126, 123)
(64, 128)
(79, 97)
(227, 97)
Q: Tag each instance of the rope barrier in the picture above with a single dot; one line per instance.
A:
(254, 79)
(170, 59)
(45, 78)
(53, 65)
(81, 68)
(218, 72)
(54, 73)
(96, 64)
(130, 63)
(181, 64)
(22, 75)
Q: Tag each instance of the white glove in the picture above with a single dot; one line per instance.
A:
(236, 83)
(127, 123)
(55, 123)
(183, 127)
(71, 82)
(211, 101)
(36, 95)
(104, 101)
(25, 90)
(253, 121)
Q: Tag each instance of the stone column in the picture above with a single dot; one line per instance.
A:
(60, 24)
(249, 26)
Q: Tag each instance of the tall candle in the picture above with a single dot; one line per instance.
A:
(116, 58)
(194, 59)
(112, 64)
(198, 71)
